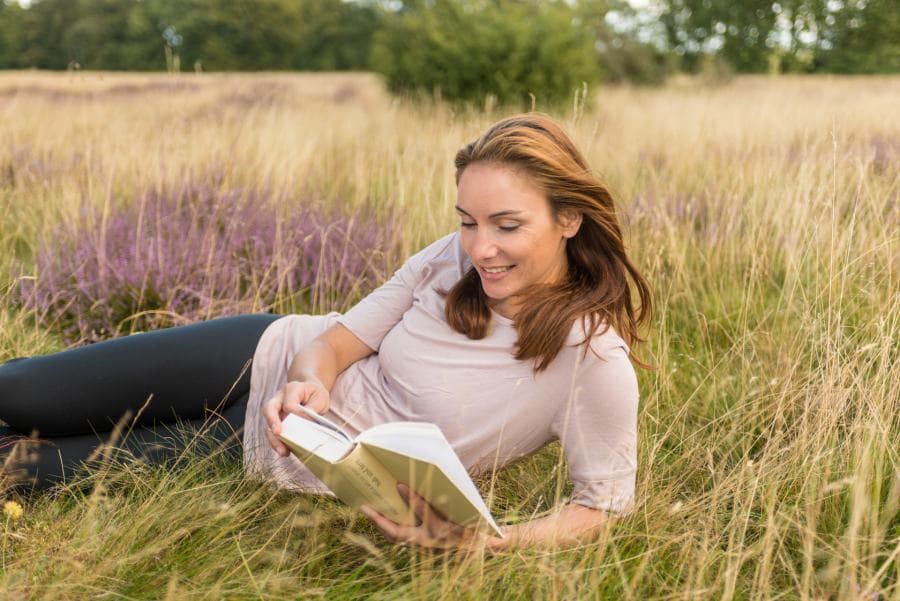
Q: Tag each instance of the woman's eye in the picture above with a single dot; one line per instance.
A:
(509, 228)
(464, 224)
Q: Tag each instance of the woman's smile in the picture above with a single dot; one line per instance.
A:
(495, 273)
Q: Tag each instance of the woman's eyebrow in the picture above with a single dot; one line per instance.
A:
(509, 213)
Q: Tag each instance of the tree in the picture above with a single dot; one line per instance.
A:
(861, 37)
(98, 37)
(739, 32)
(11, 39)
(628, 42)
(44, 25)
(846, 36)
(335, 35)
(219, 34)
(468, 51)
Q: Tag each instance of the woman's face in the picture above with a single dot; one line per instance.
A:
(509, 232)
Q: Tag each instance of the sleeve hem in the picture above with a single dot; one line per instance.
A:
(365, 339)
(612, 509)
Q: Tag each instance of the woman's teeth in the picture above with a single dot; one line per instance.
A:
(496, 269)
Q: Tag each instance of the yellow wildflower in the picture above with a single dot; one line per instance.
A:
(12, 510)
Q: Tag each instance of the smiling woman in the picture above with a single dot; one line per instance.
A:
(510, 233)
(538, 225)
(509, 334)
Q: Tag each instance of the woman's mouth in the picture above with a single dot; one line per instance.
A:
(495, 273)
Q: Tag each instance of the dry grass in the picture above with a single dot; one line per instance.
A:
(765, 212)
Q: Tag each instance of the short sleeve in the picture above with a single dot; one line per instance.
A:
(597, 427)
(373, 317)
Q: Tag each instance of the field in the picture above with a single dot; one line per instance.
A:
(765, 212)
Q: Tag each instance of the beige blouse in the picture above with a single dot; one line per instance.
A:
(492, 408)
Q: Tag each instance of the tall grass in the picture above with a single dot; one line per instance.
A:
(765, 212)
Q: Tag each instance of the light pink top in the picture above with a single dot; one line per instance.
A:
(492, 408)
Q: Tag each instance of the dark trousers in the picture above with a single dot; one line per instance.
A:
(197, 374)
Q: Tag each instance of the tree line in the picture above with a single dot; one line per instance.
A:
(464, 49)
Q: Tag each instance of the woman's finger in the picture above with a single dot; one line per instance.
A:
(310, 395)
(293, 397)
(432, 520)
(318, 400)
(419, 505)
(273, 415)
(276, 444)
(271, 410)
(391, 529)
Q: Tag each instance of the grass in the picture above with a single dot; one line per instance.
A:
(765, 212)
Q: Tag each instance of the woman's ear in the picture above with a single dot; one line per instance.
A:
(570, 220)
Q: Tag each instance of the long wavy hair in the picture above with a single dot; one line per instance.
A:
(597, 288)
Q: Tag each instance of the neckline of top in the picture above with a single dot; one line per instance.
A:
(501, 319)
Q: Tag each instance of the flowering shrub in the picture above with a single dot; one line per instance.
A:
(198, 252)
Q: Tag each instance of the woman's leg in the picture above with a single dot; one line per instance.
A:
(71, 400)
(157, 376)
(42, 462)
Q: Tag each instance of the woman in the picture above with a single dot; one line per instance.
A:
(508, 334)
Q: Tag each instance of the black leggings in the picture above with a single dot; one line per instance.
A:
(73, 399)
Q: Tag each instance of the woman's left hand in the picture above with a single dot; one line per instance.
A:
(434, 531)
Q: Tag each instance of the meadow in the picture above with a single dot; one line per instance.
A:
(764, 211)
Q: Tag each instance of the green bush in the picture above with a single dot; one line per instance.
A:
(467, 51)
(627, 59)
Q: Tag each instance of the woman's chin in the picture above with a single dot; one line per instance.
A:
(495, 297)
(493, 294)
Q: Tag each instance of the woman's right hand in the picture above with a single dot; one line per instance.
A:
(288, 400)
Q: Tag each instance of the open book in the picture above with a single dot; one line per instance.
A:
(366, 470)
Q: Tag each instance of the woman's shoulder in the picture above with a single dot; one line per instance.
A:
(604, 342)
(442, 255)
(604, 366)
(444, 247)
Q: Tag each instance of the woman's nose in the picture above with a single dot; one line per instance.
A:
(485, 247)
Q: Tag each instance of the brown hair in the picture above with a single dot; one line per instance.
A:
(597, 288)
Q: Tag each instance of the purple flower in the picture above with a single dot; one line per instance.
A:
(197, 252)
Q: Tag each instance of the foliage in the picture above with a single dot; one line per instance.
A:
(864, 38)
(742, 29)
(756, 36)
(218, 35)
(623, 56)
(467, 51)
(196, 252)
(11, 33)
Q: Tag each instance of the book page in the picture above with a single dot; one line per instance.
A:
(314, 438)
(324, 422)
(418, 454)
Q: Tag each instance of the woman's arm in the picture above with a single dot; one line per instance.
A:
(570, 526)
(311, 377)
(333, 351)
